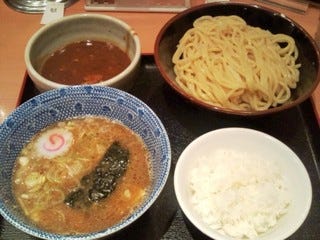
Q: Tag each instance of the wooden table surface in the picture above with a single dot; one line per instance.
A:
(17, 28)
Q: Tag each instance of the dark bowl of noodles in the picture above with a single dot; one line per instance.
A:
(81, 162)
(238, 59)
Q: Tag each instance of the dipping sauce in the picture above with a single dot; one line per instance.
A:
(85, 62)
(56, 162)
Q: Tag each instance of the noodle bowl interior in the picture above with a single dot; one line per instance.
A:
(224, 62)
(81, 175)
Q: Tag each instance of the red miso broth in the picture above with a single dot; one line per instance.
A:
(67, 157)
(85, 62)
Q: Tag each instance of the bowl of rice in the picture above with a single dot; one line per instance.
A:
(239, 183)
(237, 58)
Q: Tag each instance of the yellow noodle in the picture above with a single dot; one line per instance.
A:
(225, 62)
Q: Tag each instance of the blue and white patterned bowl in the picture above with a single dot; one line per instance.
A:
(60, 104)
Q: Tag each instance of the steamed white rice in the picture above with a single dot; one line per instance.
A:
(239, 194)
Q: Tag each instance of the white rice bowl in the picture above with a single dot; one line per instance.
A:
(280, 159)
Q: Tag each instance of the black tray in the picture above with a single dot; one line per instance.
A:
(296, 127)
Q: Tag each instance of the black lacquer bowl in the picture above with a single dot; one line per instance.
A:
(256, 16)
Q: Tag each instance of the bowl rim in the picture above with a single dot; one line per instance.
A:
(259, 134)
(61, 93)
(108, 82)
(200, 103)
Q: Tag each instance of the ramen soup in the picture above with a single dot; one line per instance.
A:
(81, 175)
(85, 62)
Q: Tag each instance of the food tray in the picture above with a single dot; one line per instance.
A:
(296, 127)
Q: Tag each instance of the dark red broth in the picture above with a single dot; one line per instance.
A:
(85, 62)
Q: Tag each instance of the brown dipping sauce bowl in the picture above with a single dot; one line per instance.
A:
(82, 27)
